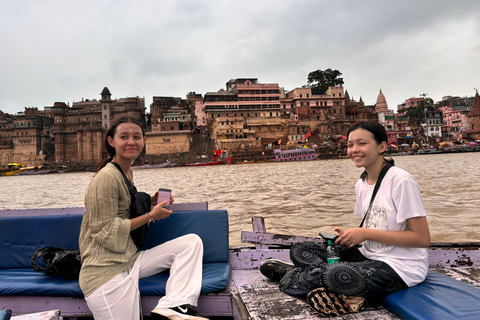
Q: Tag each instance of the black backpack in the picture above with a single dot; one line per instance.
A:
(58, 262)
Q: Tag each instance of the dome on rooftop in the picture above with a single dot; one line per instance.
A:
(381, 105)
(105, 91)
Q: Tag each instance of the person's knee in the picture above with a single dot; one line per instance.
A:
(194, 239)
(345, 278)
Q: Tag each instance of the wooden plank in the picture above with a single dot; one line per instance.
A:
(468, 275)
(45, 315)
(212, 304)
(250, 258)
(454, 257)
(70, 307)
(265, 239)
(41, 212)
(264, 301)
(80, 210)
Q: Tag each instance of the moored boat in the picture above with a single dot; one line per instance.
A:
(154, 166)
(13, 169)
(295, 154)
(196, 164)
(428, 151)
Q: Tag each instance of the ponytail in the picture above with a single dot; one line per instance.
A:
(102, 163)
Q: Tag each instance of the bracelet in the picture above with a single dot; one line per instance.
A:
(150, 219)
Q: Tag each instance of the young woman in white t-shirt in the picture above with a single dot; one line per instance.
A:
(394, 238)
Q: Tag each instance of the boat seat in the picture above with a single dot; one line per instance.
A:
(21, 236)
(438, 297)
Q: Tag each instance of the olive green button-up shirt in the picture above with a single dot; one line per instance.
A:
(105, 243)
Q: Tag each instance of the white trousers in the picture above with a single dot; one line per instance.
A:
(119, 298)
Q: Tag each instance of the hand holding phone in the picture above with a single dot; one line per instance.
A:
(164, 195)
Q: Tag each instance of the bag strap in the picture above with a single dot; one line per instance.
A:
(39, 253)
(377, 186)
(130, 187)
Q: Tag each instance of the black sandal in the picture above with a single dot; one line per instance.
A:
(332, 304)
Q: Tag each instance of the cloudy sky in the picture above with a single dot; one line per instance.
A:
(66, 50)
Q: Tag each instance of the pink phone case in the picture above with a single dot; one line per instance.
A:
(164, 195)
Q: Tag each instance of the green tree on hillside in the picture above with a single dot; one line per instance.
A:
(416, 114)
(320, 80)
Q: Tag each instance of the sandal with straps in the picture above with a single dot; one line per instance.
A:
(332, 304)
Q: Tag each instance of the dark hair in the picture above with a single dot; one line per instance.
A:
(110, 133)
(379, 134)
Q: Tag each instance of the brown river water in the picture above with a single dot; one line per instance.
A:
(300, 198)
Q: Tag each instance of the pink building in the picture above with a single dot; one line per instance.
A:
(386, 117)
(454, 120)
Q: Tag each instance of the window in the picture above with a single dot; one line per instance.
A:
(166, 139)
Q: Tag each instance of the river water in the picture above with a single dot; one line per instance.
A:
(299, 198)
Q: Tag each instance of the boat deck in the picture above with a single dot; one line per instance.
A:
(258, 298)
(261, 298)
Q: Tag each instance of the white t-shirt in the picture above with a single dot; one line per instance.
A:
(397, 200)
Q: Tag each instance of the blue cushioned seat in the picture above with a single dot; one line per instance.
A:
(20, 237)
(438, 297)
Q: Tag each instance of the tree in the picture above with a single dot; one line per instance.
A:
(416, 114)
(320, 80)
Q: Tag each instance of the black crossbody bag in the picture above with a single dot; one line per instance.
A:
(141, 204)
(377, 186)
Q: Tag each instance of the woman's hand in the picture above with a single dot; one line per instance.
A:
(351, 237)
(416, 236)
(155, 199)
(159, 212)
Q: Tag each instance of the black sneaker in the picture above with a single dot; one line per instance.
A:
(304, 254)
(275, 269)
(185, 311)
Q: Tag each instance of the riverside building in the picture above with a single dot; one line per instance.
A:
(79, 129)
(171, 126)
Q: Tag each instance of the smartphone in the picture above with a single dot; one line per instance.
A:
(328, 236)
(164, 195)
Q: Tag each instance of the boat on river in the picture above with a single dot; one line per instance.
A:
(250, 295)
(155, 166)
(13, 169)
(303, 154)
(196, 164)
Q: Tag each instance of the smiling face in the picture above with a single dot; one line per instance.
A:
(364, 150)
(128, 141)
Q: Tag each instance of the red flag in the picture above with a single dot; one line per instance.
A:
(309, 134)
